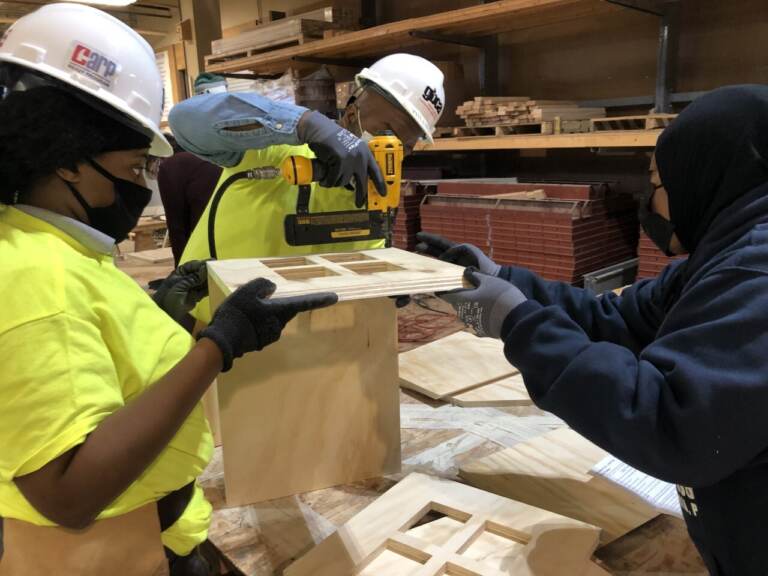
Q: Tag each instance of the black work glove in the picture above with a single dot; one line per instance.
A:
(346, 158)
(178, 294)
(248, 320)
(461, 254)
(484, 307)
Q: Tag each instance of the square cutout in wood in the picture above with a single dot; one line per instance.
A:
(396, 560)
(304, 273)
(287, 262)
(372, 267)
(350, 257)
(496, 547)
(438, 525)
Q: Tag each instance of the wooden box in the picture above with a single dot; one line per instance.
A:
(320, 407)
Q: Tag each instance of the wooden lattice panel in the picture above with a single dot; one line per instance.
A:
(352, 275)
(426, 526)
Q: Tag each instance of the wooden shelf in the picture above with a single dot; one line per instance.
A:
(482, 20)
(614, 139)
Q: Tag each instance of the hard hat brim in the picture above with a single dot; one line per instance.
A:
(159, 146)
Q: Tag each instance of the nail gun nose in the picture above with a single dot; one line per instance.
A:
(265, 173)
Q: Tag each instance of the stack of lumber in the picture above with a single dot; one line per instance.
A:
(567, 232)
(651, 260)
(515, 113)
(280, 33)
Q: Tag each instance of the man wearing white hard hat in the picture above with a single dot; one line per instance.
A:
(101, 427)
(401, 93)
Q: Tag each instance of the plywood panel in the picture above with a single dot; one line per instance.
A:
(509, 391)
(317, 409)
(454, 364)
(352, 275)
(484, 535)
(552, 472)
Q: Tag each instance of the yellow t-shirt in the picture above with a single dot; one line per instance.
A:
(250, 216)
(78, 340)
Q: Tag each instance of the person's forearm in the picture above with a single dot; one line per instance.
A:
(121, 448)
(220, 128)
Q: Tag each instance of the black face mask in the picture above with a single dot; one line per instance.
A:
(120, 217)
(656, 227)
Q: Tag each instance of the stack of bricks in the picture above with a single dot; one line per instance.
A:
(408, 221)
(651, 260)
(567, 232)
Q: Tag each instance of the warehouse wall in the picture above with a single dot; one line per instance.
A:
(615, 55)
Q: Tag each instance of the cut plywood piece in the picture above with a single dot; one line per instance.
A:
(318, 408)
(481, 534)
(510, 391)
(663, 496)
(352, 275)
(552, 472)
(157, 256)
(454, 364)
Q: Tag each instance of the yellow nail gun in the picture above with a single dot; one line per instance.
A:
(373, 222)
(304, 228)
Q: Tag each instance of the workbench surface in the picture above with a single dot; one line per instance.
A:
(262, 539)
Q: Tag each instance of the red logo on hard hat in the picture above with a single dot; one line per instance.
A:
(93, 64)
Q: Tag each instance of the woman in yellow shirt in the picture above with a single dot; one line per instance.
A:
(101, 427)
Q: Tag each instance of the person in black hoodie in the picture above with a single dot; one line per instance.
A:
(671, 376)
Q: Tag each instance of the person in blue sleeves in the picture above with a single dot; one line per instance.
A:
(671, 376)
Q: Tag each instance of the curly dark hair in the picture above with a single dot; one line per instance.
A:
(47, 128)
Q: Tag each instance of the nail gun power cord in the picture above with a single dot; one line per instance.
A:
(245, 174)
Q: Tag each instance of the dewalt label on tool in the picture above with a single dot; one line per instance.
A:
(340, 234)
(338, 219)
(390, 164)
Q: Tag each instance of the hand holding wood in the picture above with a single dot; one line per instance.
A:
(249, 320)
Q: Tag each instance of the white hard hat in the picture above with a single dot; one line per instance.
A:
(414, 82)
(95, 53)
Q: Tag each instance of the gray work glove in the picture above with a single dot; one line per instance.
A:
(346, 158)
(249, 320)
(180, 292)
(462, 254)
(484, 307)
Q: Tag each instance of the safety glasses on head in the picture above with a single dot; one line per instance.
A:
(400, 122)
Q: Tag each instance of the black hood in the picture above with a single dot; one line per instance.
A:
(715, 152)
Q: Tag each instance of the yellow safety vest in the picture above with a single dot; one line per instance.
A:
(78, 340)
(251, 213)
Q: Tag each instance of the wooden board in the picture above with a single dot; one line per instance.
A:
(316, 409)
(352, 275)
(552, 472)
(454, 364)
(482, 20)
(270, 34)
(157, 256)
(286, 32)
(642, 122)
(607, 139)
(509, 391)
(483, 535)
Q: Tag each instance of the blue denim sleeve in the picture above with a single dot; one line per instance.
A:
(204, 125)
